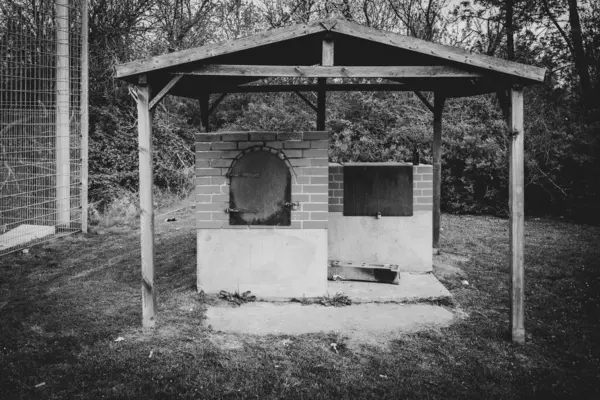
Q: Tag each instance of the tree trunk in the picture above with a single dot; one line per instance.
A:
(579, 53)
(510, 39)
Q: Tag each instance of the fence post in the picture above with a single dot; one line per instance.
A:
(63, 167)
(84, 115)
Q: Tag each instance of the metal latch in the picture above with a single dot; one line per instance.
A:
(293, 205)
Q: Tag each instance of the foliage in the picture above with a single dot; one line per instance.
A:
(474, 162)
(562, 117)
(113, 154)
(270, 113)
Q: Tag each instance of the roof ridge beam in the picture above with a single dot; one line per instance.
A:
(328, 24)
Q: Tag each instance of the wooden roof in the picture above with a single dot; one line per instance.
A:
(360, 52)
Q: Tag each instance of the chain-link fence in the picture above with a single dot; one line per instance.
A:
(42, 116)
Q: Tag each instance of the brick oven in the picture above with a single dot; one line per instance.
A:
(262, 212)
(271, 211)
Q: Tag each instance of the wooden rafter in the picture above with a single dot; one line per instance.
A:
(217, 49)
(430, 72)
(441, 51)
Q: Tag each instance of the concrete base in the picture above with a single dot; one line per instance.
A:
(271, 263)
(405, 241)
(411, 288)
(374, 324)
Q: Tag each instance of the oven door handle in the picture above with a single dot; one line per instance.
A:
(240, 210)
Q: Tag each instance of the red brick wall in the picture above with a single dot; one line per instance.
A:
(306, 155)
(422, 187)
(336, 187)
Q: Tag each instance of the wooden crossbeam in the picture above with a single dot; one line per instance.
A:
(156, 99)
(367, 87)
(301, 71)
(307, 101)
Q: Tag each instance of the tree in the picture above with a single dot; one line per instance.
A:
(579, 52)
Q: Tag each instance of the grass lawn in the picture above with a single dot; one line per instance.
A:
(64, 303)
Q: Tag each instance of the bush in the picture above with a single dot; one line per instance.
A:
(113, 153)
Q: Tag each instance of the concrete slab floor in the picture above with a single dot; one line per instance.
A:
(362, 323)
(412, 288)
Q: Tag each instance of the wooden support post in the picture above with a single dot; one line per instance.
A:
(438, 108)
(84, 115)
(321, 103)
(517, 214)
(63, 167)
(204, 99)
(146, 204)
(326, 61)
(328, 52)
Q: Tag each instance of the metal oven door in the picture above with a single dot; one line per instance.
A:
(260, 191)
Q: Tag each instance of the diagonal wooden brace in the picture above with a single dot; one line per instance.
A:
(160, 95)
(307, 101)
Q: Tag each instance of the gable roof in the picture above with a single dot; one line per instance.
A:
(354, 45)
